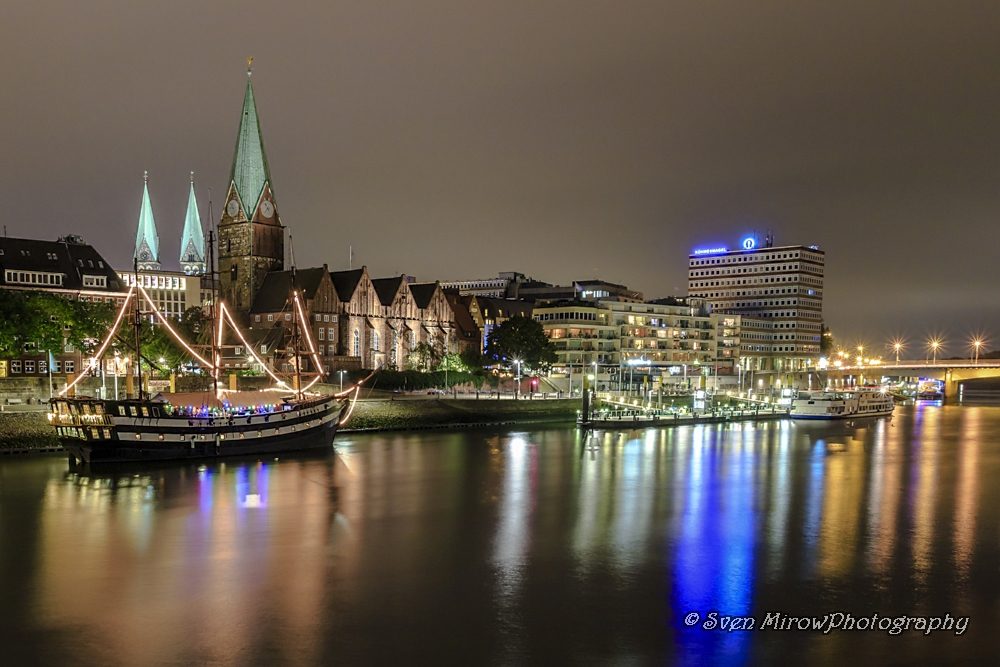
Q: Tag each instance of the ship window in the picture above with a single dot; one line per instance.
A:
(145, 411)
(121, 410)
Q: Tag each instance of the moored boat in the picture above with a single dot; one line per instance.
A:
(191, 426)
(860, 402)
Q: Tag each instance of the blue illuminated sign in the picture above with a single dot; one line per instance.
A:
(710, 251)
(749, 243)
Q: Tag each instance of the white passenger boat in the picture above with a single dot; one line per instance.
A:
(860, 402)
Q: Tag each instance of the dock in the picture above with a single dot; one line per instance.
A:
(639, 418)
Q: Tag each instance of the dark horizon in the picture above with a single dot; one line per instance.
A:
(563, 141)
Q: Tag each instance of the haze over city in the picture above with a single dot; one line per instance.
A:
(566, 140)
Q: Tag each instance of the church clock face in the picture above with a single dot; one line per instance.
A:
(267, 208)
(233, 208)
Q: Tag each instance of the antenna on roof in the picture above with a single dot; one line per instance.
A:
(249, 65)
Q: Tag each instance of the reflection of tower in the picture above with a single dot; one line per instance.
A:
(193, 240)
(147, 243)
(251, 238)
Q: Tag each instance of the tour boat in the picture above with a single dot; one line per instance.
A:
(191, 426)
(852, 403)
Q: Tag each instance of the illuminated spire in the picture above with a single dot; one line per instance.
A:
(250, 172)
(147, 243)
(193, 239)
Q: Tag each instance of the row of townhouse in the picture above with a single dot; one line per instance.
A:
(355, 321)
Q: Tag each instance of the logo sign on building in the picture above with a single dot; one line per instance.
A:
(711, 251)
(749, 243)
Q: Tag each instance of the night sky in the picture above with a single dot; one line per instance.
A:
(452, 140)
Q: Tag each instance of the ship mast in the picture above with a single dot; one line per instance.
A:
(212, 305)
(137, 323)
(295, 324)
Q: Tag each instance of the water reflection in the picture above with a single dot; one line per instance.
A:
(511, 547)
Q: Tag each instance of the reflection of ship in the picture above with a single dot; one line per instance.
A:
(930, 390)
(860, 402)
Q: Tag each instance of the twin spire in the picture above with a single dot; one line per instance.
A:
(147, 242)
(250, 177)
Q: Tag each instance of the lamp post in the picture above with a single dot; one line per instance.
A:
(897, 346)
(517, 389)
(935, 344)
(977, 344)
(341, 374)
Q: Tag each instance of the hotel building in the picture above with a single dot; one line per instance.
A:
(777, 294)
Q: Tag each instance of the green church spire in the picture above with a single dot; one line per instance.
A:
(193, 239)
(147, 243)
(250, 171)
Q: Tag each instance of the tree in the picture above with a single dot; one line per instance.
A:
(521, 338)
(423, 358)
(826, 342)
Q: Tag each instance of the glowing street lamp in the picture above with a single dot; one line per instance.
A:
(976, 344)
(935, 344)
(897, 346)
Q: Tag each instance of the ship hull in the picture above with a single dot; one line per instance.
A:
(118, 451)
(112, 438)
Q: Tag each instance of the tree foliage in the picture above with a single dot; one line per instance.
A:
(520, 338)
(49, 321)
(826, 342)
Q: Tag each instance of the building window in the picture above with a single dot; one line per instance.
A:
(357, 343)
(70, 366)
(318, 317)
(95, 281)
(322, 349)
(239, 350)
(256, 318)
(57, 366)
(288, 317)
(322, 333)
(375, 341)
(43, 367)
(15, 366)
(270, 318)
(326, 318)
(29, 366)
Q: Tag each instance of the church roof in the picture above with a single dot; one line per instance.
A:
(423, 293)
(345, 282)
(387, 288)
(147, 227)
(272, 296)
(250, 170)
(193, 233)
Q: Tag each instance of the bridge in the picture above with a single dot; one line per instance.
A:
(952, 371)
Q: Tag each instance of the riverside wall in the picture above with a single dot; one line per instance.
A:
(30, 430)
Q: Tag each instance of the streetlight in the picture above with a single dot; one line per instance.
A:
(897, 346)
(977, 343)
(935, 344)
(341, 374)
(517, 390)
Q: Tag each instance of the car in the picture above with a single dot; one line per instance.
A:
(432, 392)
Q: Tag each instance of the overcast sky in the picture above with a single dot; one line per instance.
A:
(565, 140)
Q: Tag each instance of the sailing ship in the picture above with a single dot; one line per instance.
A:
(169, 426)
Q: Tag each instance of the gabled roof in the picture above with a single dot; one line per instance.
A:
(387, 288)
(345, 282)
(69, 256)
(272, 297)
(463, 320)
(250, 170)
(423, 293)
(493, 308)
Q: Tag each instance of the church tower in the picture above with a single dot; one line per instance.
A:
(193, 240)
(147, 243)
(251, 237)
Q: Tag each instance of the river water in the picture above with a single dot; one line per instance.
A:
(500, 547)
